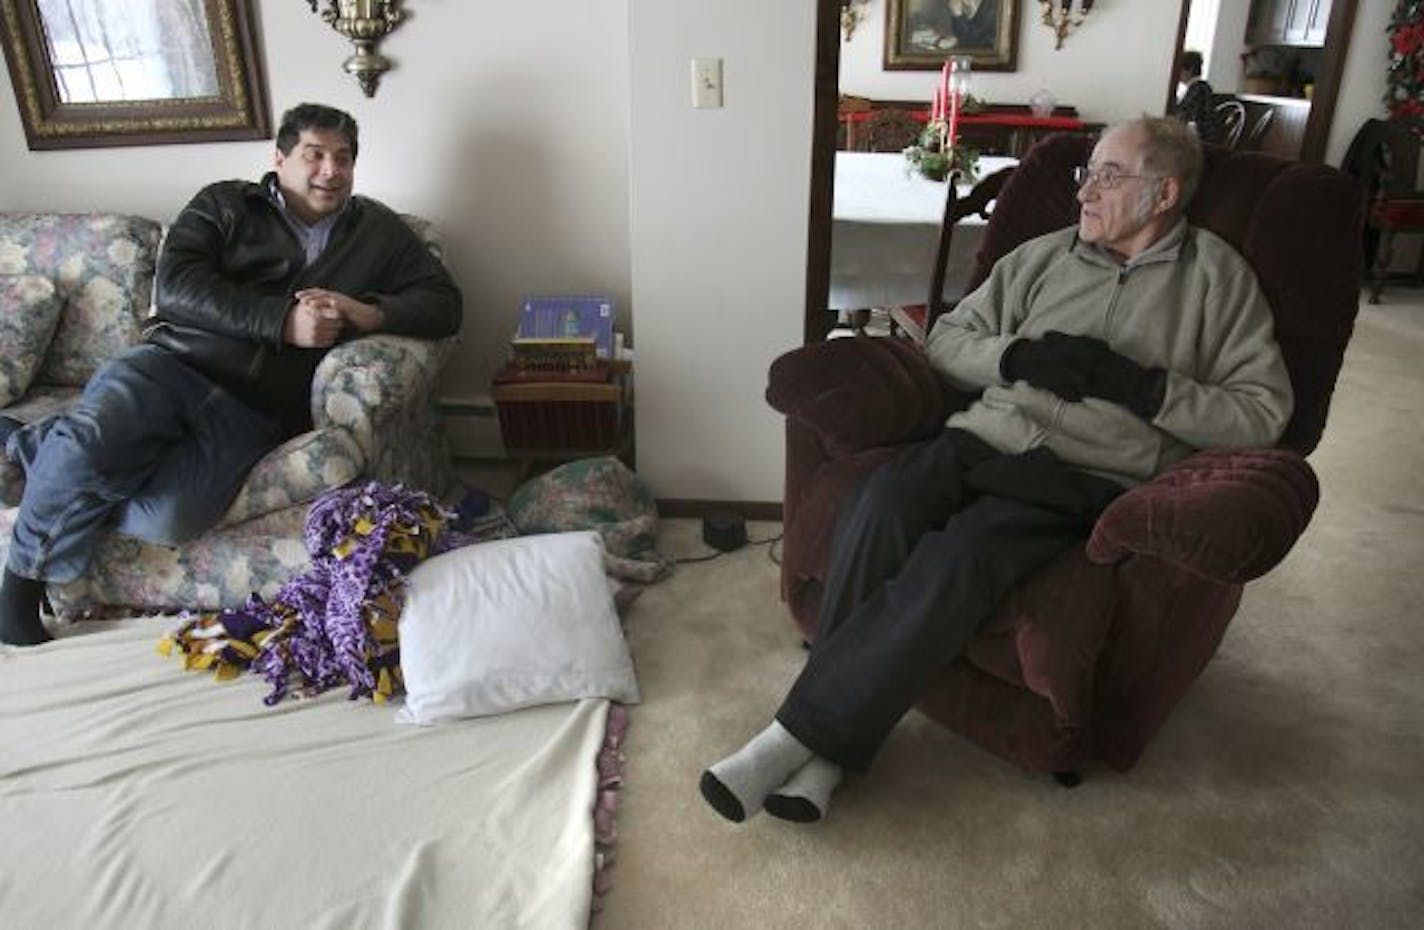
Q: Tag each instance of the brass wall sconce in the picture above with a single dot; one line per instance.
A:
(365, 23)
(852, 12)
(1058, 15)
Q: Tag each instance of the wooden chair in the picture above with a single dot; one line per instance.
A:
(955, 209)
(1385, 156)
(915, 322)
(889, 130)
(847, 111)
(1257, 134)
(1230, 120)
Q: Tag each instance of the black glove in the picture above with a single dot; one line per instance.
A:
(1074, 367)
(1055, 362)
(1117, 378)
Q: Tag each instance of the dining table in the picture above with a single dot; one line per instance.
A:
(886, 223)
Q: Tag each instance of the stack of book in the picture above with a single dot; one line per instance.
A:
(563, 334)
(564, 391)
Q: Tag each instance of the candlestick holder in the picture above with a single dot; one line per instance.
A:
(852, 13)
(1059, 16)
(365, 23)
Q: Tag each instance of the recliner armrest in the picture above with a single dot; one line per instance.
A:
(1227, 515)
(860, 392)
(359, 382)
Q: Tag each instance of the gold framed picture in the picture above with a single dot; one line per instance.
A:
(921, 34)
(91, 73)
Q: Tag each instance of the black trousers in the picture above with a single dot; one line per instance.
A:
(930, 544)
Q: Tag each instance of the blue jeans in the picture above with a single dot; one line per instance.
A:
(153, 450)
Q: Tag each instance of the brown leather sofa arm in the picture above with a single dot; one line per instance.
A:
(859, 392)
(1227, 515)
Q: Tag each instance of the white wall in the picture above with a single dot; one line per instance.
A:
(1225, 71)
(1118, 64)
(720, 200)
(1362, 84)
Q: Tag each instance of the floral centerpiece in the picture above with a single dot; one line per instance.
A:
(1404, 92)
(934, 159)
(938, 152)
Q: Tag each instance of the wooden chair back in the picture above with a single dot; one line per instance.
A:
(1384, 156)
(957, 208)
(1254, 139)
(1230, 120)
(889, 130)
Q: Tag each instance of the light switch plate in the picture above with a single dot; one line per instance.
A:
(706, 83)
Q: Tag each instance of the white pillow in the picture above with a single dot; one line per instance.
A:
(511, 623)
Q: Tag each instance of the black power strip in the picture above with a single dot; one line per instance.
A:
(724, 531)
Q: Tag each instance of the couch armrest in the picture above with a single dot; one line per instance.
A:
(365, 381)
(1227, 515)
(860, 392)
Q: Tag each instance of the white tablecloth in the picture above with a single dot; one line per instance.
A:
(887, 220)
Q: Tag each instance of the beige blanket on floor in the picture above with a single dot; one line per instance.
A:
(135, 794)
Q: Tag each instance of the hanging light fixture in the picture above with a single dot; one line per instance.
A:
(365, 23)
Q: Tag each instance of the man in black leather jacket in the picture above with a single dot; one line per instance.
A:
(255, 283)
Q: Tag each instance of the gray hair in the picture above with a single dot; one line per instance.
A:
(1170, 149)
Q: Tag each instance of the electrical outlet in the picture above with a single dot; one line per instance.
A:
(706, 83)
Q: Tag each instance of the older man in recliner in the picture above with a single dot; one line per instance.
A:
(1102, 354)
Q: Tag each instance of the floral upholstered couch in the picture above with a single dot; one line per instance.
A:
(74, 291)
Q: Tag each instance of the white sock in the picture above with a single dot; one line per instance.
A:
(806, 797)
(737, 786)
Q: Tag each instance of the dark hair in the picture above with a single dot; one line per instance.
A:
(314, 116)
(1192, 63)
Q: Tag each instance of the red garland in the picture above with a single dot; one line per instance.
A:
(1404, 94)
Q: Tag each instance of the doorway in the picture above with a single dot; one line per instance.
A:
(1199, 18)
(817, 319)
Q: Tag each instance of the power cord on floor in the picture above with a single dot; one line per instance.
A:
(770, 541)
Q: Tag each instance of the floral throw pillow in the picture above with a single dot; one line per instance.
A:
(29, 312)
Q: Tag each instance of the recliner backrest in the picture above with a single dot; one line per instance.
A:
(1297, 224)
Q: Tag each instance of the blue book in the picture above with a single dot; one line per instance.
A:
(570, 318)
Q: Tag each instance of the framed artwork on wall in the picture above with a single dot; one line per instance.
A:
(91, 73)
(921, 34)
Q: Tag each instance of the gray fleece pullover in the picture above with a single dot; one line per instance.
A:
(1189, 304)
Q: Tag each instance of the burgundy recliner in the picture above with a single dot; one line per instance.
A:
(1085, 660)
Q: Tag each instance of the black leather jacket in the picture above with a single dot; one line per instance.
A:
(230, 265)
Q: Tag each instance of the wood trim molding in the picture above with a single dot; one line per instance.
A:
(1327, 84)
(1182, 16)
(672, 507)
(818, 319)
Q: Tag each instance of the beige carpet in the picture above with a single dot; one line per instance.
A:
(1287, 791)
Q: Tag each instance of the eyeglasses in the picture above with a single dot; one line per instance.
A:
(1108, 178)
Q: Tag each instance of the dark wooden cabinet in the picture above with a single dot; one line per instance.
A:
(996, 129)
(1266, 24)
(1288, 22)
(1319, 20)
